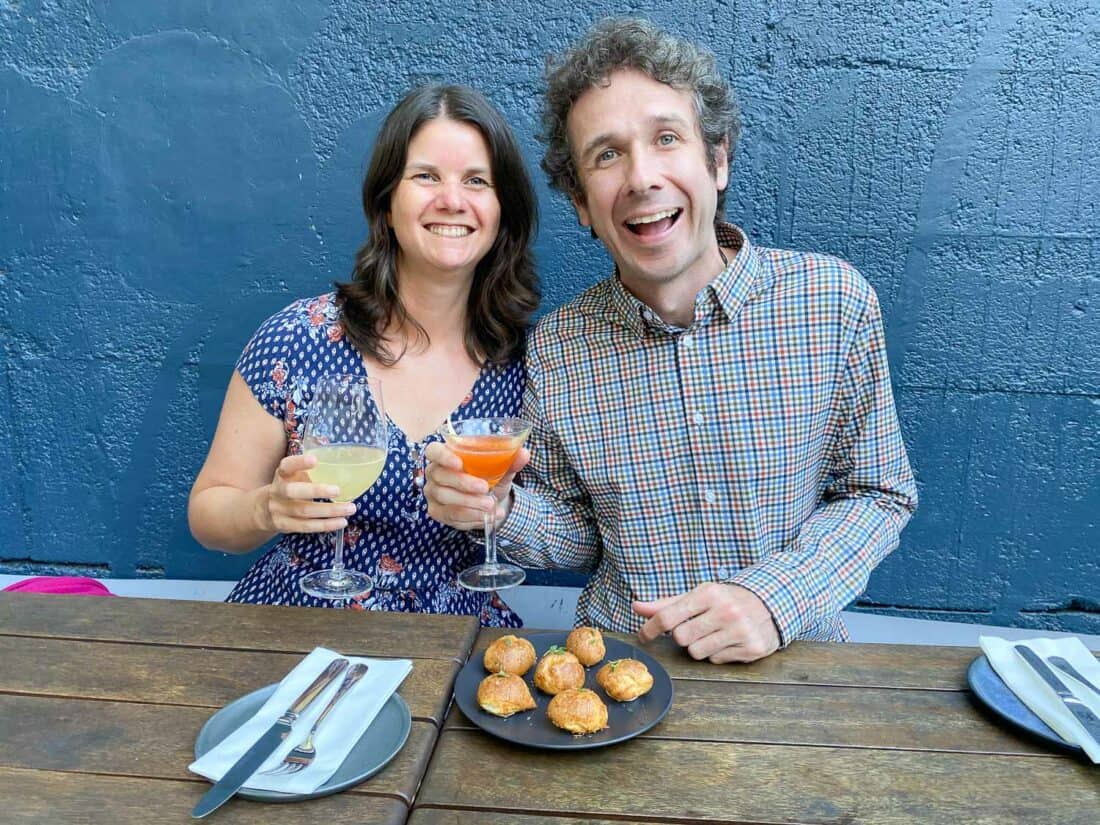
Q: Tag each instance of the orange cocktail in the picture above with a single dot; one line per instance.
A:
(486, 456)
(487, 447)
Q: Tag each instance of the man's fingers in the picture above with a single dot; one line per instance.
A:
(669, 614)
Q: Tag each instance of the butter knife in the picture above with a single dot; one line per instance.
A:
(236, 776)
(1063, 665)
(1075, 706)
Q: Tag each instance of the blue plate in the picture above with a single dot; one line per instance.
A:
(992, 692)
(535, 730)
(375, 748)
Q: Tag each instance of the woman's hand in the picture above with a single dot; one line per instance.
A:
(289, 506)
(461, 500)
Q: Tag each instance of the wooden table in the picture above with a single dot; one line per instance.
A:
(818, 733)
(101, 700)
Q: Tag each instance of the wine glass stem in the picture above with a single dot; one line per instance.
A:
(338, 557)
(490, 520)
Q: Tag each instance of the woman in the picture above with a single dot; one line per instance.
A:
(437, 308)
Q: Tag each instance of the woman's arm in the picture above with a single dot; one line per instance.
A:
(249, 489)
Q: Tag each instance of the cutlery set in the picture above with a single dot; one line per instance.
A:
(1080, 711)
(297, 759)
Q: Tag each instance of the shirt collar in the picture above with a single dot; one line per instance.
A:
(727, 293)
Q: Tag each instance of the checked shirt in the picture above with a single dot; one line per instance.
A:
(759, 447)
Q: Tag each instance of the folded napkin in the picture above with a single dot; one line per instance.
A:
(343, 727)
(1038, 695)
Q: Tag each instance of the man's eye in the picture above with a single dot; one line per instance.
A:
(667, 139)
(606, 155)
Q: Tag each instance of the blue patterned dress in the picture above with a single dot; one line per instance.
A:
(412, 558)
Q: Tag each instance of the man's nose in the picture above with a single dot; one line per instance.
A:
(643, 172)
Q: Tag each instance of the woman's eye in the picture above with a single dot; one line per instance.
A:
(424, 177)
(480, 183)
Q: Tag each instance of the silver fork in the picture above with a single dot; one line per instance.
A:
(1063, 665)
(302, 756)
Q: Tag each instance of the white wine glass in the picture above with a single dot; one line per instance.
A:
(347, 431)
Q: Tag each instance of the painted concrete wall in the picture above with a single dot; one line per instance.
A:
(172, 173)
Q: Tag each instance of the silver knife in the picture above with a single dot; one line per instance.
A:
(1075, 706)
(236, 776)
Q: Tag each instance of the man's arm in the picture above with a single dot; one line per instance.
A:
(799, 593)
(869, 498)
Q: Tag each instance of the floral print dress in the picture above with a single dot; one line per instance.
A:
(413, 559)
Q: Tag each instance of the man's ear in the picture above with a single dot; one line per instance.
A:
(721, 159)
(583, 217)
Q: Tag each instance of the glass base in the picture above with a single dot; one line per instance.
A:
(491, 577)
(327, 584)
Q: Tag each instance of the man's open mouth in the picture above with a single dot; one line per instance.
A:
(654, 223)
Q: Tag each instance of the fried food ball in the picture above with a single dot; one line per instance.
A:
(586, 643)
(509, 654)
(503, 694)
(558, 670)
(578, 710)
(625, 680)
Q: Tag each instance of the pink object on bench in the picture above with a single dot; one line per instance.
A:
(71, 585)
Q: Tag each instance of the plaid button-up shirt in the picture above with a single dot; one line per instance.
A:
(760, 446)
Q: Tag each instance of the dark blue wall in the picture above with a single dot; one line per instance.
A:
(171, 173)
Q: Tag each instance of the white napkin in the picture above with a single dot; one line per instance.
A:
(1038, 695)
(343, 727)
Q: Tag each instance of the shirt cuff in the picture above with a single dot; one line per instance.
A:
(521, 526)
(780, 592)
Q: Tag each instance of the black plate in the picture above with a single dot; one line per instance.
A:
(625, 719)
(994, 694)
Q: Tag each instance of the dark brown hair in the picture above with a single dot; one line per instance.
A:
(505, 290)
(634, 43)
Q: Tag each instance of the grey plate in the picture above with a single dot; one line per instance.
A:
(992, 692)
(625, 719)
(375, 748)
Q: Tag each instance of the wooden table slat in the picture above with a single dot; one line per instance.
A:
(236, 626)
(86, 799)
(181, 675)
(151, 741)
(721, 782)
(843, 717)
(919, 667)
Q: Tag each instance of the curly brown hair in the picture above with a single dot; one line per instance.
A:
(634, 43)
(505, 290)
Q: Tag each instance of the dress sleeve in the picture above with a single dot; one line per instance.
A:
(267, 362)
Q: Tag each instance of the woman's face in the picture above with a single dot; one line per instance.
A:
(444, 211)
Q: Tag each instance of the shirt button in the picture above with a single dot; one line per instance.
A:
(710, 496)
(687, 341)
(722, 573)
(698, 418)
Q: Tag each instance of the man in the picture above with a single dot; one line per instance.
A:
(714, 431)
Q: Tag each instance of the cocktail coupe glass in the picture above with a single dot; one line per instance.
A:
(487, 447)
(347, 430)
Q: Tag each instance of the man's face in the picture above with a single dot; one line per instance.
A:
(648, 192)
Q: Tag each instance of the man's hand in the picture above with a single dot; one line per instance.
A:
(459, 499)
(720, 622)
